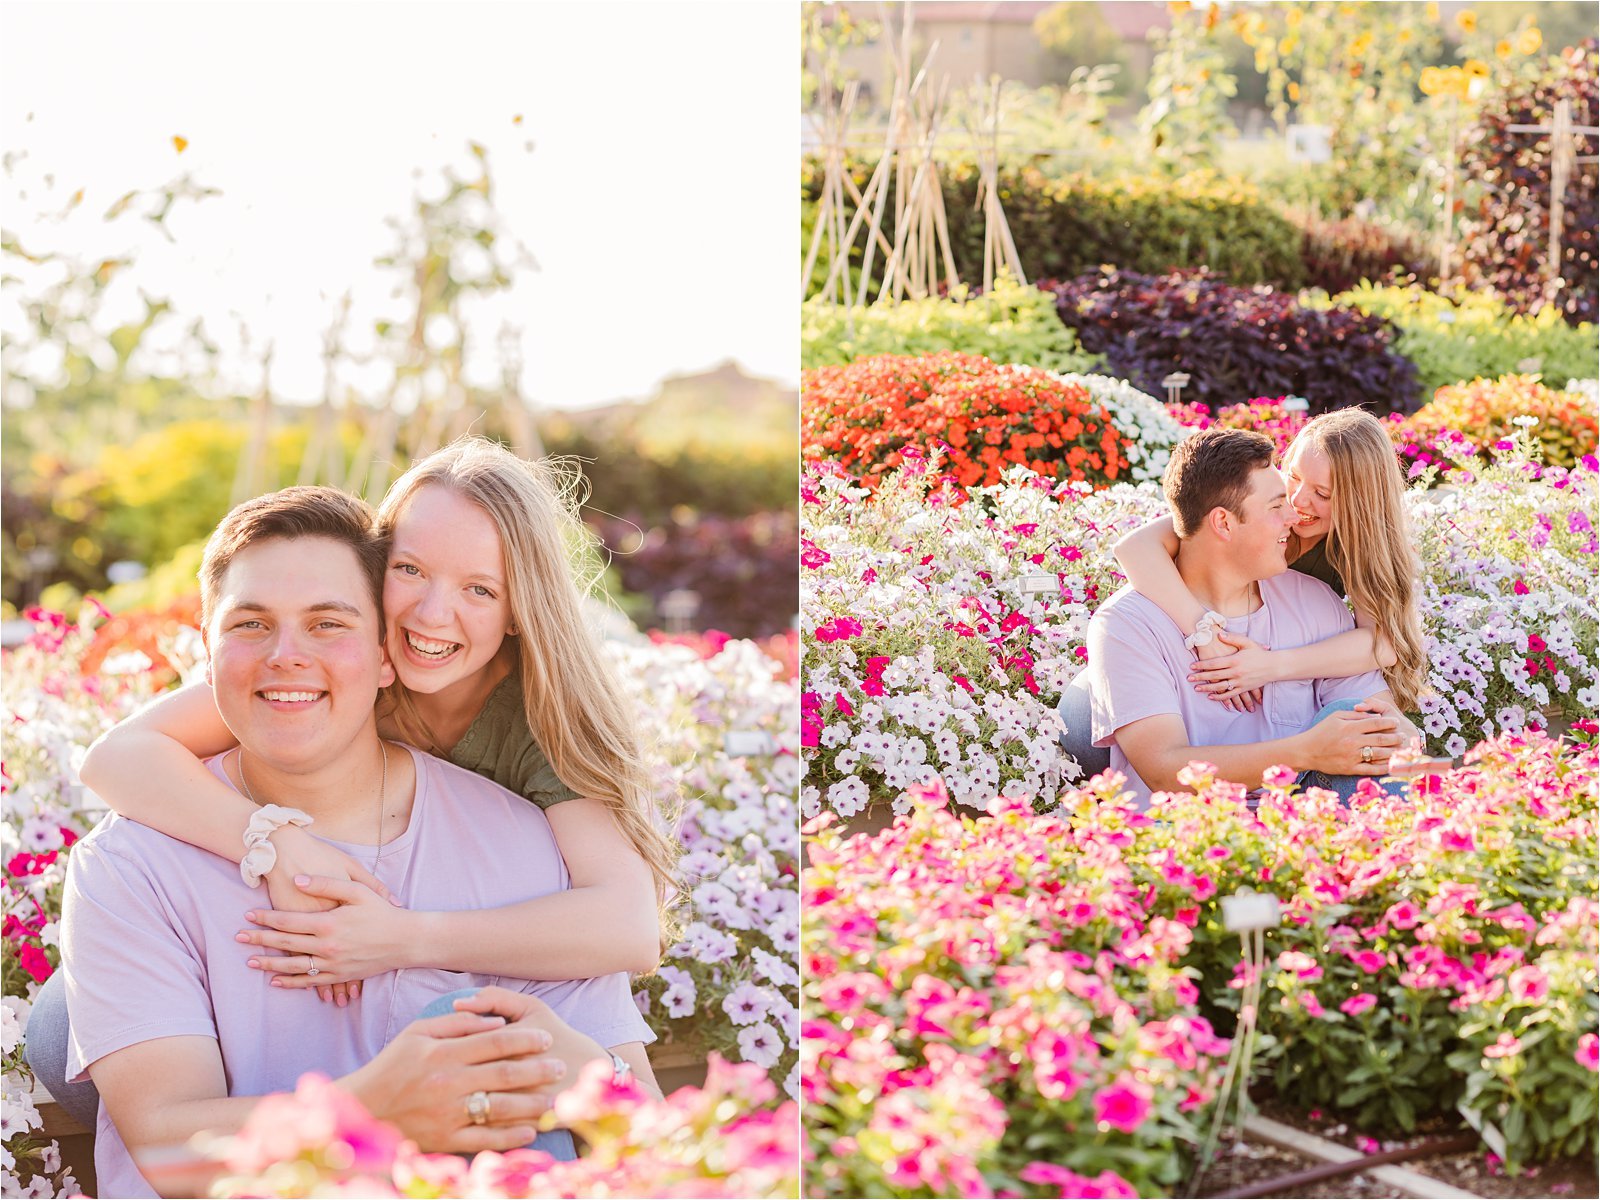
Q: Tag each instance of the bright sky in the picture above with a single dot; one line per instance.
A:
(658, 199)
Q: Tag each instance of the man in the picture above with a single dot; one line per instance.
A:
(1233, 517)
(176, 1031)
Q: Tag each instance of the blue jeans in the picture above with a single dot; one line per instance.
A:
(1078, 741)
(1344, 786)
(557, 1143)
(46, 1050)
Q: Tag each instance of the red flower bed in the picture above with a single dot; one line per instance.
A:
(874, 414)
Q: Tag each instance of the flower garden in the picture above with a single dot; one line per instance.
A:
(726, 992)
(1017, 984)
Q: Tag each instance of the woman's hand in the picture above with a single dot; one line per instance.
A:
(299, 853)
(1234, 672)
(361, 936)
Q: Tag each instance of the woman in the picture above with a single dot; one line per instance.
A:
(1346, 487)
(497, 671)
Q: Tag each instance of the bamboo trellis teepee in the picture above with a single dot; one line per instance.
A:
(430, 401)
(918, 261)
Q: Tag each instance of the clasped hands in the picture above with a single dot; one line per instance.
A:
(327, 912)
(507, 1045)
(1232, 670)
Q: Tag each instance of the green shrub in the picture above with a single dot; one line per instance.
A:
(169, 488)
(1012, 323)
(1476, 335)
(1072, 224)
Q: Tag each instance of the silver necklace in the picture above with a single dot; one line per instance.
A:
(383, 789)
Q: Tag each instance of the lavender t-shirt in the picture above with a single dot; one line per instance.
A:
(149, 952)
(1139, 668)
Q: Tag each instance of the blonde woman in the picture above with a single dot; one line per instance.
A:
(1346, 487)
(496, 671)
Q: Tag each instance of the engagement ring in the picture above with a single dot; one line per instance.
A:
(1366, 754)
(478, 1108)
(313, 969)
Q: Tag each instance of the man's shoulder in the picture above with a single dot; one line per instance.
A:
(1127, 609)
(1306, 592)
(118, 849)
(118, 837)
(482, 795)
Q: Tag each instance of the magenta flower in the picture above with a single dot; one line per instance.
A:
(1369, 961)
(1358, 1004)
(1279, 777)
(1528, 985)
(1504, 1046)
(1123, 1106)
(1588, 1052)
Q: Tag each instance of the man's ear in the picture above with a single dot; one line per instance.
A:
(385, 665)
(1221, 522)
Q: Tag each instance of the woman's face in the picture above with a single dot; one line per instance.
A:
(1310, 482)
(444, 595)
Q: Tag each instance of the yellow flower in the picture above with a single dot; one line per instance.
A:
(1502, 49)
(1294, 91)
(1403, 36)
(1433, 10)
(1432, 81)
(1178, 7)
(1361, 45)
(1476, 69)
(1292, 18)
(1286, 47)
(1468, 20)
(1529, 40)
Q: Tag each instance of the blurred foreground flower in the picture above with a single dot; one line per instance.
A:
(725, 1139)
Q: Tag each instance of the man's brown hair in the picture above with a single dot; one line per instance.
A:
(296, 512)
(1212, 469)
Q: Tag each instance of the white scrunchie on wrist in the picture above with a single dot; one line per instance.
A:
(1206, 630)
(260, 855)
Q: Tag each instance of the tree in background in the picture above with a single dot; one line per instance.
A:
(1186, 116)
(1077, 35)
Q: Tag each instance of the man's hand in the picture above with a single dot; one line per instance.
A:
(576, 1050)
(363, 936)
(1334, 745)
(421, 1081)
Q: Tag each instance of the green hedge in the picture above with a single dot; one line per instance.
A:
(1065, 226)
(1012, 323)
(1477, 336)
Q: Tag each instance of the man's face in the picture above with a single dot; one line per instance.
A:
(295, 658)
(1261, 538)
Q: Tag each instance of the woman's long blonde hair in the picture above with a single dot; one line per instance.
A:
(1369, 538)
(575, 707)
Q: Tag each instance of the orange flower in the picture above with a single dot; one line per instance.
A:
(990, 417)
(1467, 20)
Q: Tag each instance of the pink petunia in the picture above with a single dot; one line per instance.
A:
(1528, 985)
(1504, 1046)
(1369, 961)
(1279, 777)
(1588, 1052)
(1124, 1105)
(1358, 1004)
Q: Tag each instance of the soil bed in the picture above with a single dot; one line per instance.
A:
(1240, 1163)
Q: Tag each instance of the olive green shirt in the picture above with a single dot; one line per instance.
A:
(1314, 562)
(499, 746)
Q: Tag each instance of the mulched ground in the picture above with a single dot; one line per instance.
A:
(1241, 1163)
